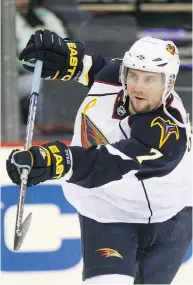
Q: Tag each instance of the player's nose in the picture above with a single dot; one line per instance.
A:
(138, 87)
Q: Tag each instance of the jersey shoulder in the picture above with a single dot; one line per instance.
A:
(157, 130)
(110, 73)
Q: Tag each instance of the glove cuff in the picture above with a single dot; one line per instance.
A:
(61, 160)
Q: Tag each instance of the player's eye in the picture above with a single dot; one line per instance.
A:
(150, 80)
(132, 76)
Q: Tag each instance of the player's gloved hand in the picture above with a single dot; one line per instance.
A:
(49, 161)
(62, 58)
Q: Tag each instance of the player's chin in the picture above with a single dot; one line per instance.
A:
(142, 109)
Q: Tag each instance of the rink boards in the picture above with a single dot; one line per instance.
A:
(51, 252)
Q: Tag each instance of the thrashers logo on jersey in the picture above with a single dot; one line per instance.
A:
(167, 128)
(109, 252)
(90, 133)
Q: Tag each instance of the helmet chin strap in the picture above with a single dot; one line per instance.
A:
(122, 77)
(185, 125)
(169, 86)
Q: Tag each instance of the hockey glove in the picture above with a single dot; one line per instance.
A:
(62, 58)
(49, 161)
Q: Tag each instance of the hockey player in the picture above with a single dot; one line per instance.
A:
(128, 169)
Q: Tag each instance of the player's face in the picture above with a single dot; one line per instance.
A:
(145, 90)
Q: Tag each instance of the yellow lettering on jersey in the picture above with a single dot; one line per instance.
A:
(155, 155)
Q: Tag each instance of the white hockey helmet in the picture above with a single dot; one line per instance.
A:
(153, 55)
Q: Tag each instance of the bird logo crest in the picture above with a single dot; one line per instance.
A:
(171, 49)
(90, 133)
(167, 128)
(109, 252)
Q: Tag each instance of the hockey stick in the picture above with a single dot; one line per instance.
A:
(21, 228)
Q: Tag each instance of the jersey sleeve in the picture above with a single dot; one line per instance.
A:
(155, 147)
(92, 65)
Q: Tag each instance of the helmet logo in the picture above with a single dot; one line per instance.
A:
(141, 57)
(171, 49)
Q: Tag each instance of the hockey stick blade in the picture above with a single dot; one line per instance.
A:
(19, 236)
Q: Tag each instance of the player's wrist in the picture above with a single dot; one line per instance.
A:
(83, 77)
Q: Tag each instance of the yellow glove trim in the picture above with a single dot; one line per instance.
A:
(48, 155)
(56, 75)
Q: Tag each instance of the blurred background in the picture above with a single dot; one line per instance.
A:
(107, 27)
(51, 252)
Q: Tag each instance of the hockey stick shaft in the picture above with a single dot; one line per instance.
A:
(22, 228)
